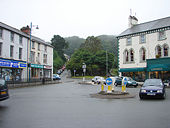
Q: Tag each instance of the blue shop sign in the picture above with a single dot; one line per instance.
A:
(12, 63)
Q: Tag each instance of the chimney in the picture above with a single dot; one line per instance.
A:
(132, 21)
(26, 30)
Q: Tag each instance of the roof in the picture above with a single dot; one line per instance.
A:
(143, 27)
(2, 25)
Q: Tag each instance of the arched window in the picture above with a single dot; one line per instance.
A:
(165, 50)
(142, 54)
(131, 55)
(158, 51)
(126, 55)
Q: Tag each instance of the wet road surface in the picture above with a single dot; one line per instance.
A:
(69, 105)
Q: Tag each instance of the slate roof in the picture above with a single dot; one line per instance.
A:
(151, 25)
(2, 25)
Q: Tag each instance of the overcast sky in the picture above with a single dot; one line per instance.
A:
(79, 17)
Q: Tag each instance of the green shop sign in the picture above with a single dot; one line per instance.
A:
(36, 66)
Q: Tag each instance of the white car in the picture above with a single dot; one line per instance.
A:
(98, 80)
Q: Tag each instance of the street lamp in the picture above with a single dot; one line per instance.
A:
(30, 48)
(84, 70)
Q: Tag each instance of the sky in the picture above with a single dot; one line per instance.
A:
(81, 18)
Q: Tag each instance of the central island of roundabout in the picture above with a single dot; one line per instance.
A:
(110, 93)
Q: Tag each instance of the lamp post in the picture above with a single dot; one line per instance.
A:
(84, 70)
(30, 48)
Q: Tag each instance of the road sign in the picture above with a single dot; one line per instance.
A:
(108, 81)
(125, 81)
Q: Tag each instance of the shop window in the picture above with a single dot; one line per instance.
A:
(11, 51)
(165, 48)
(158, 52)
(131, 55)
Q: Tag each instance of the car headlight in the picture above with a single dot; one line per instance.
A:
(143, 90)
(129, 82)
(159, 91)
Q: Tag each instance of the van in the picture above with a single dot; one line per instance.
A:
(3, 90)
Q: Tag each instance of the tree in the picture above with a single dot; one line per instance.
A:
(92, 44)
(59, 44)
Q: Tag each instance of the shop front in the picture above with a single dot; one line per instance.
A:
(48, 71)
(159, 68)
(37, 71)
(12, 69)
(138, 74)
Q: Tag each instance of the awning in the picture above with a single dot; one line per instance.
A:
(132, 69)
(158, 67)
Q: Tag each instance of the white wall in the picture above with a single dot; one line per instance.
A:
(150, 45)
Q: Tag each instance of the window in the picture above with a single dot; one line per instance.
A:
(131, 55)
(165, 48)
(0, 49)
(143, 38)
(129, 41)
(11, 51)
(158, 52)
(39, 46)
(142, 54)
(45, 59)
(20, 53)
(1, 31)
(33, 44)
(126, 56)
(162, 35)
(45, 48)
(38, 58)
(20, 39)
(32, 57)
(12, 37)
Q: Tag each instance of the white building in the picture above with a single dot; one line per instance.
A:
(18, 61)
(144, 49)
(13, 53)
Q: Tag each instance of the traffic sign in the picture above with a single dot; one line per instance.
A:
(108, 81)
(125, 81)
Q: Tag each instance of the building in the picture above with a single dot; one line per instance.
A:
(21, 58)
(144, 49)
(13, 53)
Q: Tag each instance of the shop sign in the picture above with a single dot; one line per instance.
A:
(47, 67)
(36, 66)
(12, 63)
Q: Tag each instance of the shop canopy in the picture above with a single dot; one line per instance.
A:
(132, 69)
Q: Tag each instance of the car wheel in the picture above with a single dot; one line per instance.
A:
(135, 86)
(141, 97)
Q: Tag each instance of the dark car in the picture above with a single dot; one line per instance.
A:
(152, 88)
(3, 90)
(118, 81)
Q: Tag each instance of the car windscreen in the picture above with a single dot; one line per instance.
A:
(2, 82)
(153, 82)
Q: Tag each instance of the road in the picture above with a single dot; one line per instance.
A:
(69, 105)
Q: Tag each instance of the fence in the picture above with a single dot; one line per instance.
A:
(31, 82)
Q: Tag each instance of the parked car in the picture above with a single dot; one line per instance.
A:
(152, 88)
(98, 80)
(56, 77)
(130, 81)
(118, 81)
(166, 82)
(3, 90)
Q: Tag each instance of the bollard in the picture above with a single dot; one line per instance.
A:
(109, 90)
(102, 87)
(124, 82)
